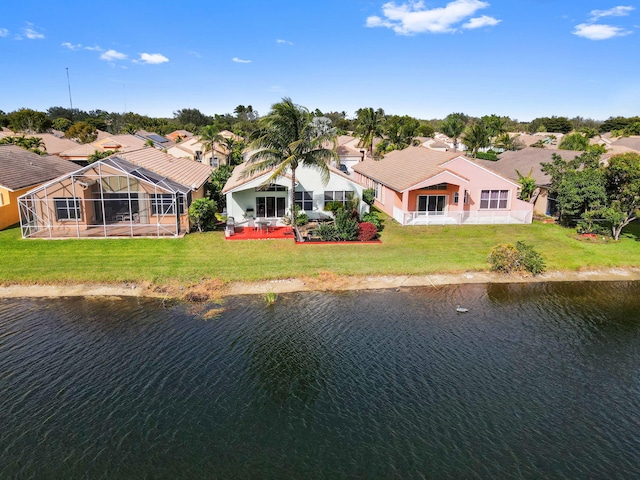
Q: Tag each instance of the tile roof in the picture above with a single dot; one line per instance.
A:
(20, 168)
(632, 143)
(54, 144)
(402, 169)
(527, 159)
(182, 170)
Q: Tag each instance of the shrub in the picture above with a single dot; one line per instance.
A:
(202, 213)
(327, 232)
(368, 196)
(520, 257)
(302, 219)
(334, 207)
(346, 226)
(490, 155)
(367, 231)
(373, 217)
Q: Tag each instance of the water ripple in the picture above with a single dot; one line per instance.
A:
(534, 381)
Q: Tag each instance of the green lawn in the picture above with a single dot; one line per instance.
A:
(404, 250)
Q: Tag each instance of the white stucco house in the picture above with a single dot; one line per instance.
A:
(256, 197)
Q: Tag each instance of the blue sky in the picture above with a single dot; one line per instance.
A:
(521, 58)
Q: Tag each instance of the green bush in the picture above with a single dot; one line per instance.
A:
(334, 207)
(521, 257)
(202, 213)
(327, 232)
(346, 225)
(373, 217)
(369, 196)
(490, 155)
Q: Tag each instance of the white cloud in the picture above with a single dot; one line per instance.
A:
(483, 21)
(413, 17)
(619, 11)
(112, 55)
(599, 32)
(283, 42)
(95, 48)
(4, 32)
(194, 54)
(31, 33)
(153, 58)
(239, 60)
(71, 46)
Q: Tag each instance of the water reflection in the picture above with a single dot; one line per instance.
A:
(286, 357)
(535, 381)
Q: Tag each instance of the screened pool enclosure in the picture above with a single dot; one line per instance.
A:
(109, 198)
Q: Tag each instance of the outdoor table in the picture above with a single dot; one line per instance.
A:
(263, 224)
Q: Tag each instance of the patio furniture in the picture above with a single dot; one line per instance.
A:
(263, 225)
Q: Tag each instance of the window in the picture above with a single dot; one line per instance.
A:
(1, 199)
(456, 197)
(304, 201)
(270, 206)
(271, 188)
(119, 184)
(67, 208)
(439, 186)
(162, 204)
(338, 196)
(378, 191)
(494, 198)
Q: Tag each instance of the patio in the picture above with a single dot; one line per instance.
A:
(251, 233)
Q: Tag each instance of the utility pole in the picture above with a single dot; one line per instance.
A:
(70, 102)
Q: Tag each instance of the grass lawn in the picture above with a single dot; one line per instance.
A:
(198, 256)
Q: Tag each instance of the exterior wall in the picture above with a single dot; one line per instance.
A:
(541, 205)
(482, 179)
(308, 180)
(9, 214)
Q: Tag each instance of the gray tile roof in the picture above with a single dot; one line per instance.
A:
(525, 160)
(20, 168)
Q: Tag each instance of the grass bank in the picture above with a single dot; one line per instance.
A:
(200, 256)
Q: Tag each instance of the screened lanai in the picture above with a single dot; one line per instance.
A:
(109, 198)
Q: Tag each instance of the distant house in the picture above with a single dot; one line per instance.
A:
(139, 193)
(116, 143)
(418, 186)
(193, 148)
(20, 171)
(159, 141)
(255, 197)
(179, 135)
(529, 160)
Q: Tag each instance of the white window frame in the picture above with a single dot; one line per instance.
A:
(305, 199)
(68, 205)
(495, 199)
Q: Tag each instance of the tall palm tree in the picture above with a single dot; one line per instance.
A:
(452, 127)
(290, 137)
(475, 137)
(369, 126)
(208, 138)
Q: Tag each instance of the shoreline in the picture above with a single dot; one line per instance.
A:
(324, 282)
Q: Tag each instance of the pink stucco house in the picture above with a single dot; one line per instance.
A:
(419, 186)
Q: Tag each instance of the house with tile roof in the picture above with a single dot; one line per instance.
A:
(252, 197)
(139, 193)
(20, 171)
(116, 143)
(419, 186)
(529, 160)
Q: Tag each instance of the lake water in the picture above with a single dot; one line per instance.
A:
(535, 381)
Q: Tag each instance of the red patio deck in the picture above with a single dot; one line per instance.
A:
(248, 233)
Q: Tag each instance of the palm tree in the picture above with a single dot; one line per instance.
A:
(290, 137)
(475, 137)
(233, 146)
(452, 127)
(208, 138)
(369, 125)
